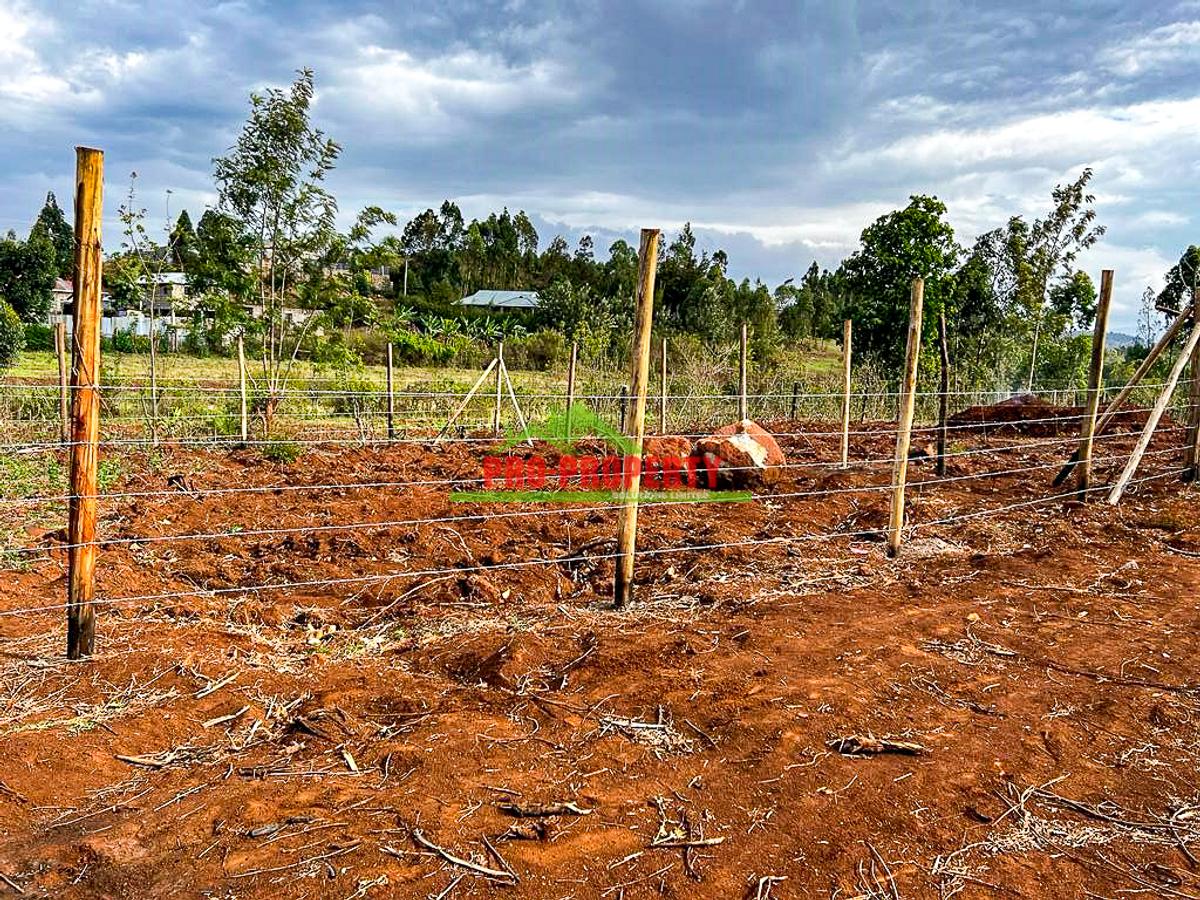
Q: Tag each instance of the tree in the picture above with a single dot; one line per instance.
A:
(182, 243)
(1031, 258)
(12, 335)
(272, 183)
(27, 273)
(1183, 280)
(52, 226)
(910, 242)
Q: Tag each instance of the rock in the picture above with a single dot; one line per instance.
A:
(662, 447)
(747, 454)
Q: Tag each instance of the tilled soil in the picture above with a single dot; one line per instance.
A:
(446, 709)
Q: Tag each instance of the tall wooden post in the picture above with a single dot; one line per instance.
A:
(627, 520)
(1192, 446)
(64, 392)
(391, 396)
(662, 401)
(1087, 427)
(795, 398)
(743, 407)
(243, 400)
(85, 403)
(847, 339)
(571, 385)
(499, 387)
(904, 431)
(943, 392)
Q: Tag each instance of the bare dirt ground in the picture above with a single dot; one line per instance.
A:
(1033, 674)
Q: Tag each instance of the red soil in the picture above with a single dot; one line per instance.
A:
(1053, 645)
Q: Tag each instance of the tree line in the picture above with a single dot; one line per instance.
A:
(1017, 306)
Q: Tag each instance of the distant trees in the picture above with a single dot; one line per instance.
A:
(52, 226)
(1016, 304)
(27, 272)
(12, 335)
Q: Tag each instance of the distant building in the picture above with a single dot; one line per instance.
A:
(503, 299)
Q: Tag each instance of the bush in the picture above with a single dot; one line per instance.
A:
(38, 336)
(281, 451)
(419, 349)
(542, 351)
(12, 335)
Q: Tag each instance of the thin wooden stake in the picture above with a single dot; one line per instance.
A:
(847, 339)
(64, 391)
(1192, 445)
(1156, 412)
(243, 400)
(1087, 428)
(467, 399)
(153, 372)
(571, 385)
(391, 396)
(662, 402)
(795, 398)
(627, 520)
(907, 401)
(1140, 373)
(624, 403)
(512, 395)
(743, 406)
(85, 403)
(499, 387)
(944, 390)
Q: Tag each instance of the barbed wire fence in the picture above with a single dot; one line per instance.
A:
(1030, 443)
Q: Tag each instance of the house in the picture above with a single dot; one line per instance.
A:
(168, 293)
(502, 299)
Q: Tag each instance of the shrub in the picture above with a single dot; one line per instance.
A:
(38, 336)
(12, 335)
(542, 351)
(281, 451)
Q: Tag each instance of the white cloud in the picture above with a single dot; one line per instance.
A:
(1169, 45)
(440, 97)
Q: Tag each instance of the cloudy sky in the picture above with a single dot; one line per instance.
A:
(779, 129)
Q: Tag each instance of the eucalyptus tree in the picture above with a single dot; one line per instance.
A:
(272, 182)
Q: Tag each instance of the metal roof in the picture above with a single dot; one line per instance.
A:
(503, 299)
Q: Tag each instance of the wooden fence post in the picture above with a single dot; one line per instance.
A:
(243, 400)
(795, 397)
(904, 433)
(1087, 427)
(743, 407)
(85, 403)
(623, 401)
(64, 393)
(1192, 447)
(943, 391)
(847, 338)
(644, 321)
(499, 387)
(571, 385)
(391, 396)
(1156, 412)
